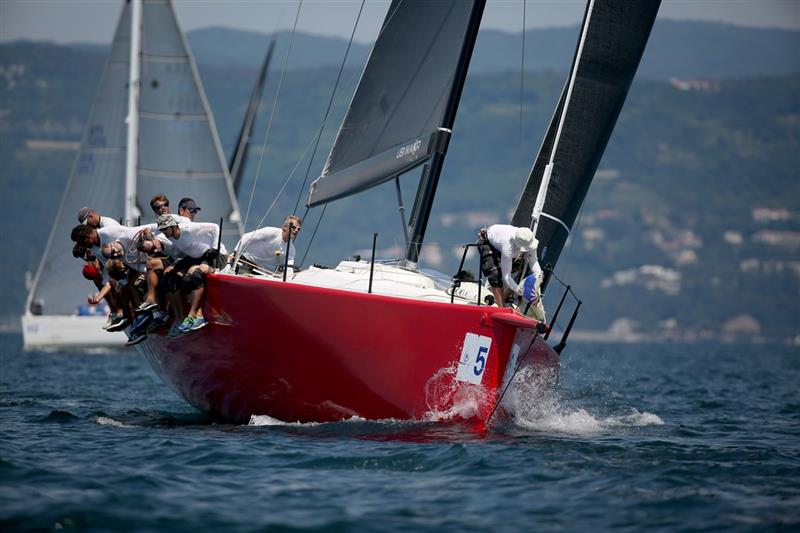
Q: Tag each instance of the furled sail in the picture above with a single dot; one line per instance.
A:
(397, 118)
(239, 158)
(180, 154)
(96, 180)
(613, 38)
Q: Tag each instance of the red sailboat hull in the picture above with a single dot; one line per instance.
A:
(305, 353)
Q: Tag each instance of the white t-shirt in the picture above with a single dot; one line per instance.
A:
(501, 236)
(197, 238)
(108, 221)
(265, 247)
(125, 234)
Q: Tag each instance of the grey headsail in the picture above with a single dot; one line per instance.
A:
(96, 179)
(404, 98)
(613, 38)
(180, 154)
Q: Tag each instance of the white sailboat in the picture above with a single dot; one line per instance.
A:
(150, 130)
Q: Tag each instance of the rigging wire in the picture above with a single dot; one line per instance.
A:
(359, 70)
(572, 242)
(330, 104)
(272, 114)
(274, 201)
(302, 157)
(314, 234)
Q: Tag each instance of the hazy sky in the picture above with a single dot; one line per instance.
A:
(67, 21)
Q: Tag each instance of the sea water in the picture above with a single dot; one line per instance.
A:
(669, 437)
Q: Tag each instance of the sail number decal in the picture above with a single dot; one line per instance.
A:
(474, 356)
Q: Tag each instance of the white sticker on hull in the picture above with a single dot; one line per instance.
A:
(474, 356)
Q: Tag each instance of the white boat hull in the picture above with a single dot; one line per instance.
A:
(68, 332)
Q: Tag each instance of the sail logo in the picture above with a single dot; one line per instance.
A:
(474, 356)
(409, 150)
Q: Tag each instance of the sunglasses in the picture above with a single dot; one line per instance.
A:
(160, 206)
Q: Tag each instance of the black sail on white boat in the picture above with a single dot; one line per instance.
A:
(613, 38)
(173, 149)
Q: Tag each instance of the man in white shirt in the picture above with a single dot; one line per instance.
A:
(198, 241)
(498, 246)
(266, 247)
(89, 237)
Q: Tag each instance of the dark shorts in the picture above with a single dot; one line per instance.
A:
(185, 263)
(214, 259)
(165, 260)
(490, 262)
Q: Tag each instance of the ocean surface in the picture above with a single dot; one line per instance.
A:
(657, 437)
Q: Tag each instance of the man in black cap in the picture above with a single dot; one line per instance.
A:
(188, 208)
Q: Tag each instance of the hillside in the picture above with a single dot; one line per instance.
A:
(680, 49)
(692, 223)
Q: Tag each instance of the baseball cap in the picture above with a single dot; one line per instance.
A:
(188, 203)
(83, 214)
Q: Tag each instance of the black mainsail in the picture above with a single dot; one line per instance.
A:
(613, 38)
(405, 104)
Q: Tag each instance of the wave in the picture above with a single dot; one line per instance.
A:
(59, 416)
(266, 420)
(106, 421)
(533, 404)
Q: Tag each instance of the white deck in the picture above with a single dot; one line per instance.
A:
(388, 280)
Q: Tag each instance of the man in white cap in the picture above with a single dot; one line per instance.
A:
(498, 246)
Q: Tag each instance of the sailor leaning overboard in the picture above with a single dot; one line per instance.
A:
(198, 242)
(499, 245)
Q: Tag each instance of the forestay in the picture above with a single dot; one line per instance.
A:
(614, 35)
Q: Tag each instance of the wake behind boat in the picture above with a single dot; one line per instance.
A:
(379, 340)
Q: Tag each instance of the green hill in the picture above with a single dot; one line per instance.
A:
(692, 221)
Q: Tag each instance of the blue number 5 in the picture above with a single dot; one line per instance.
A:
(480, 358)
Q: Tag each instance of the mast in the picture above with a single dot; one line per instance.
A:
(132, 158)
(430, 179)
(239, 157)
